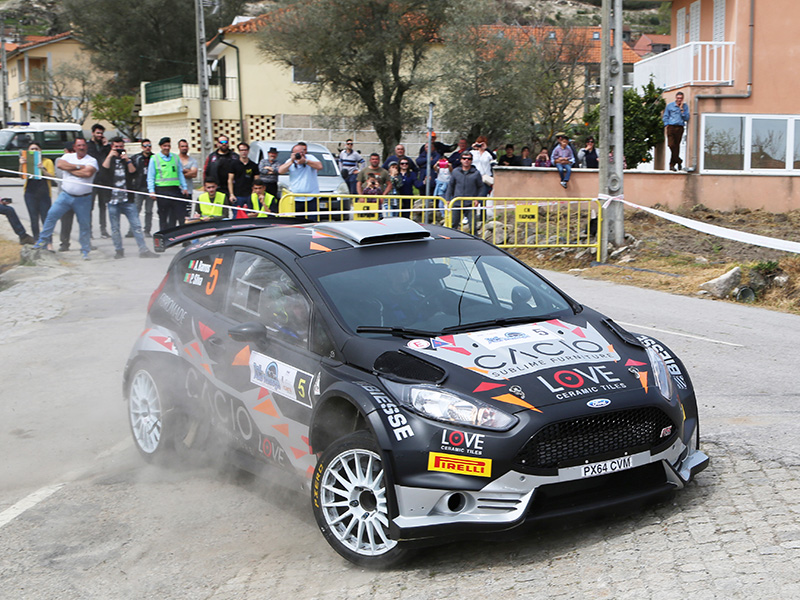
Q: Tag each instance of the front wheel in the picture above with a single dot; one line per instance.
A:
(350, 502)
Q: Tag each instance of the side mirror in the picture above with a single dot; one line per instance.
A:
(251, 331)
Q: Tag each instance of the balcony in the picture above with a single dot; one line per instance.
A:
(695, 63)
(34, 89)
(174, 88)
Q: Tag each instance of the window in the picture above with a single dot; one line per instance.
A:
(58, 139)
(694, 21)
(680, 27)
(261, 290)
(595, 35)
(203, 277)
(301, 74)
(723, 146)
(719, 21)
(766, 144)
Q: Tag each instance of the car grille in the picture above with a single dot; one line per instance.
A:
(578, 439)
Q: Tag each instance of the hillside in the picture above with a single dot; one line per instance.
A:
(41, 17)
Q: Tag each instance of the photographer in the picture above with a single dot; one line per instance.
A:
(14, 221)
(119, 172)
(302, 169)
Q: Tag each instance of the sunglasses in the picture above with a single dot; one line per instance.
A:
(147, 146)
(466, 158)
(223, 141)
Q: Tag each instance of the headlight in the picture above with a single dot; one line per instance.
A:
(663, 379)
(450, 407)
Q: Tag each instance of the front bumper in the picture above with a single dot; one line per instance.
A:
(518, 498)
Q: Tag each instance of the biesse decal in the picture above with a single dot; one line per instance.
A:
(672, 366)
(397, 420)
(462, 465)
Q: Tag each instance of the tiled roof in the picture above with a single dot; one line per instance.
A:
(37, 40)
(250, 26)
(586, 38)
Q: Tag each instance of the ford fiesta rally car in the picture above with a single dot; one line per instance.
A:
(424, 384)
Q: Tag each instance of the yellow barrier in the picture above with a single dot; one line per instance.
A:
(505, 222)
(529, 222)
(338, 207)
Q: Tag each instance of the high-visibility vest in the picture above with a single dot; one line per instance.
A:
(167, 170)
(268, 200)
(211, 211)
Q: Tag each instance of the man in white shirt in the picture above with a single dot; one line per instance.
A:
(78, 170)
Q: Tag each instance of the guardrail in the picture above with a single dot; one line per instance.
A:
(695, 63)
(505, 222)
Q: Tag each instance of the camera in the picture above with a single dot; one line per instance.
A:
(476, 146)
(297, 156)
(5, 201)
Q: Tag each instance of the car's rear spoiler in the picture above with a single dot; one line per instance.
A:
(178, 235)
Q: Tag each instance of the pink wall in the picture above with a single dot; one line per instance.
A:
(722, 192)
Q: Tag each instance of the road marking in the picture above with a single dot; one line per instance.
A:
(31, 500)
(686, 335)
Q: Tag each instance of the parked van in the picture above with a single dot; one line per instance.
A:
(52, 137)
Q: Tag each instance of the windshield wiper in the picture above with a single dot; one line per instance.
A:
(496, 323)
(396, 331)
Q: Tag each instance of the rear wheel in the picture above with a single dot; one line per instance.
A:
(350, 501)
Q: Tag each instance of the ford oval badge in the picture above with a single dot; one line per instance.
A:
(598, 403)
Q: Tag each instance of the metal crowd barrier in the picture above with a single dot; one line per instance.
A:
(505, 222)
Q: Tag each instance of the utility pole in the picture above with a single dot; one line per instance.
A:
(4, 68)
(206, 146)
(611, 103)
(430, 150)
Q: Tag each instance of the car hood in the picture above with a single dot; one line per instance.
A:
(532, 365)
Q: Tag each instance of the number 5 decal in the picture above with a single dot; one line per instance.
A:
(214, 275)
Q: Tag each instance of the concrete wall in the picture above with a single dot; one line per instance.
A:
(722, 192)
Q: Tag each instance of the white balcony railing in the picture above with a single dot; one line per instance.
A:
(695, 63)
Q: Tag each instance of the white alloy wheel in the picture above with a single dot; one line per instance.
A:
(146, 413)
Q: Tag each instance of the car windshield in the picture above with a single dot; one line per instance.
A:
(442, 294)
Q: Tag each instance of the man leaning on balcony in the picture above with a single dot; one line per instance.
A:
(676, 115)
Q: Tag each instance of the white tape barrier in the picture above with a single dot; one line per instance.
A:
(715, 230)
(187, 199)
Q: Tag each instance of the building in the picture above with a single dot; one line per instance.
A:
(43, 81)
(651, 43)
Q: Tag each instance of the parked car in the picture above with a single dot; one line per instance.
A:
(423, 384)
(51, 137)
(330, 177)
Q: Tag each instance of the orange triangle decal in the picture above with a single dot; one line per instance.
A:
(242, 359)
(268, 408)
(579, 332)
(477, 370)
(284, 429)
(205, 331)
(486, 386)
(262, 392)
(512, 399)
(298, 453)
(188, 350)
(316, 246)
(310, 472)
(196, 347)
(643, 380)
(207, 368)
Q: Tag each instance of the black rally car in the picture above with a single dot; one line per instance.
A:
(422, 383)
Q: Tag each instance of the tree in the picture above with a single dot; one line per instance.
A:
(643, 127)
(145, 40)
(68, 89)
(511, 82)
(368, 57)
(120, 111)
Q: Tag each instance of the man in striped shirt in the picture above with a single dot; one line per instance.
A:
(350, 162)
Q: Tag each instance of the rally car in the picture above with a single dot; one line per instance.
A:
(423, 384)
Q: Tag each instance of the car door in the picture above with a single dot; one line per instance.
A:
(275, 376)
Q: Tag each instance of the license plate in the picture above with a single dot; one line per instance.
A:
(607, 466)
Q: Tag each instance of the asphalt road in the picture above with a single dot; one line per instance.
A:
(82, 516)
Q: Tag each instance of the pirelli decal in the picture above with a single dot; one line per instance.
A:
(462, 465)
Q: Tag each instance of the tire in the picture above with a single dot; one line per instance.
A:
(351, 502)
(148, 416)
